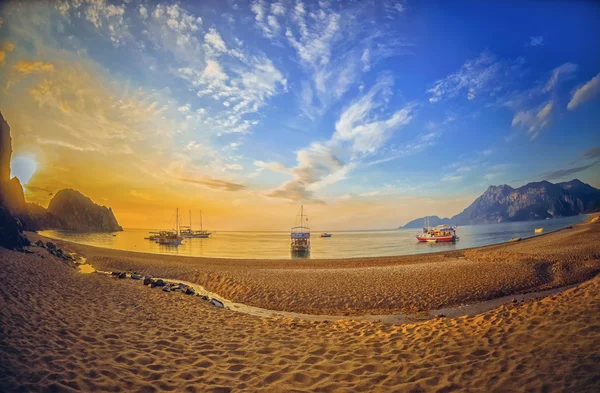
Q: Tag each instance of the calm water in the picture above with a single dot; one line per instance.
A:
(341, 245)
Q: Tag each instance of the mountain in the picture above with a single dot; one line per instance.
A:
(533, 201)
(79, 213)
(68, 209)
(433, 221)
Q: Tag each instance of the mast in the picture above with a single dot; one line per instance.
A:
(200, 220)
(190, 220)
(177, 221)
(302, 216)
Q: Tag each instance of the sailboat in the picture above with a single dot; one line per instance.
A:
(188, 232)
(300, 236)
(171, 238)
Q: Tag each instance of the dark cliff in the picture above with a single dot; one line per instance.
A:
(79, 213)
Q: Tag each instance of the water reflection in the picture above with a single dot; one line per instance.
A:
(350, 244)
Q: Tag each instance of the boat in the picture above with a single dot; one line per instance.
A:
(441, 233)
(538, 230)
(153, 236)
(325, 234)
(300, 236)
(188, 232)
(170, 238)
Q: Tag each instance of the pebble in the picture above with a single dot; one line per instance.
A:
(190, 291)
(136, 276)
(122, 275)
(160, 283)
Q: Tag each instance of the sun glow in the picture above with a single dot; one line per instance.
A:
(23, 167)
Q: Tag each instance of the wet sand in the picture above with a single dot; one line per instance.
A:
(61, 330)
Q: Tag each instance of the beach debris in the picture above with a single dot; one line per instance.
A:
(40, 243)
(135, 276)
(190, 291)
(217, 303)
(122, 275)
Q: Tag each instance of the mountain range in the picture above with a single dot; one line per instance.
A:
(68, 209)
(533, 201)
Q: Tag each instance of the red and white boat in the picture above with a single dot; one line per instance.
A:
(441, 233)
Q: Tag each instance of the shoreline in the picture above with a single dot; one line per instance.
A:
(408, 284)
(589, 217)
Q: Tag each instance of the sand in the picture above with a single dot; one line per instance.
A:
(386, 285)
(61, 330)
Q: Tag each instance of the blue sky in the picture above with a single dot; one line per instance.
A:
(325, 103)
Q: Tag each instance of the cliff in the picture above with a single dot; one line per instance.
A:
(79, 213)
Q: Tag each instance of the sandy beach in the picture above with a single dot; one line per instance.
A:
(62, 330)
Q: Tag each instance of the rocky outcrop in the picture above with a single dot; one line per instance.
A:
(79, 213)
(11, 228)
(533, 201)
(433, 221)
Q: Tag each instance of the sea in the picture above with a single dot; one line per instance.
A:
(342, 244)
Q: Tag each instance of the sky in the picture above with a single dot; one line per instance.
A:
(370, 114)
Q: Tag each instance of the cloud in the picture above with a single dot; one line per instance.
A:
(561, 72)
(214, 40)
(234, 167)
(25, 67)
(535, 40)
(534, 120)
(357, 126)
(7, 46)
(585, 93)
(592, 153)
(369, 194)
(452, 178)
(216, 184)
(551, 175)
(480, 75)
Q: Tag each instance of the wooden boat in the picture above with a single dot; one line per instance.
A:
(300, 236)
(538, 230)
(325, 234)
(441, 233)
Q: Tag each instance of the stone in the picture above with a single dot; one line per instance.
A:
(166, 289)
(40, 243)
(160, 283)
(190, 291)
(122, 275)
(149, 281)
(217, 303)
(50, 246)
(514, 300)
(115, 273)
(136, 276)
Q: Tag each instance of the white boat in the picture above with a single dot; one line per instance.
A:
(300, 236)
(188, 232)
(325, 234)
(170, 238)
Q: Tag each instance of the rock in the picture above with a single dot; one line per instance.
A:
(80, 213)
(149, 281)
(217, 303)
(190, 291)
(166, 289)
(514, 300)
(204, 297)
(160, 283)
(115, 273)
(50, 246)
(136, 276)
(122, 275)
(440, 315)
(40, 243)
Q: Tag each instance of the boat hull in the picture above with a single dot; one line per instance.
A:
(436, 239)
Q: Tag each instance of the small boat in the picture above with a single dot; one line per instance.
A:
(188, 232)
(153, 236)
(538, 230)
(300, 236)
(441, 233)
(325, 234)
(170, 238)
